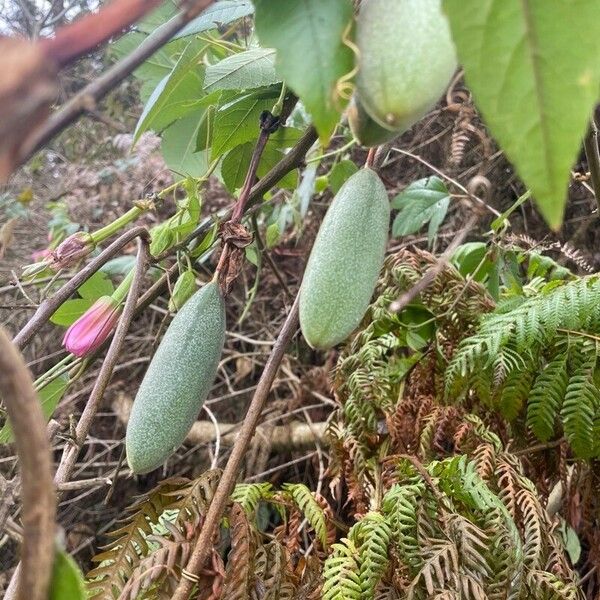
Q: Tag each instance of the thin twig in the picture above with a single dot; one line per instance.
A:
(84, 484)
(433, 271)
(71, 451)
(76, 39)
(217, 506)
(590, 143)
(37, 490)
(459, 185)
(292, 160)
(88, 97)
(49, 306)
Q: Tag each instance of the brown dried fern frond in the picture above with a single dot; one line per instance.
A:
(119, 558)
(238, 573)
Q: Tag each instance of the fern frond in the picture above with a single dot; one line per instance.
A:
(310, 508)
(248, 495)
(552, 588)
(341, 573)
(237, 575)
(440, 564)
(515, 391)
(580, 407)
(546, 397)
(130, 542)
(399, 506)
(534, 526)
(371, 535)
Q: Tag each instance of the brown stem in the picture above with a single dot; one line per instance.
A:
(233, 236)
(89, 95)
(240, 205)
(49, 306)
(433, 271)
(592, 153)
(89, 412)
(370, 158)
(37, 490)
(292, 160)
(217, 506)
(74, 40)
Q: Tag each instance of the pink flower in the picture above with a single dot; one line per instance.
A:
(88, 333)
(72, 250)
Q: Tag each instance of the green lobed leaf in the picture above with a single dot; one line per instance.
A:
(236, 162)
(175, 95)
(179, 143)
(534, 70)
(157, 66)
(340, 173)
(423, 201)
(246, 70)
(67, 580)
(238, 122)
(311, 54)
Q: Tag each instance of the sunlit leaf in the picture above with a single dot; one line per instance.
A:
(534, 71)
(246, 70)
(423, 201)
(175, 95)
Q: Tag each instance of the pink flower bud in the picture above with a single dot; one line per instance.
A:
(88, 333)
(72, 250)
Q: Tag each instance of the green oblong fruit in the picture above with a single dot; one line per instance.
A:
(345, 261)
(366, 131)
(406, 59)
(177, 381)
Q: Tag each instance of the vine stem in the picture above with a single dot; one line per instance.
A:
(203, 546)
(89, 412)
(590, 143)
(32, 581)
(86, 99)
(85, 421)
(49, 306)
(435, 269)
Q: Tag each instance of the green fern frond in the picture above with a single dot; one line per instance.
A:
(371, 535)
(515, 391)
(546, 397)
(399, 506)
(579, 410)
(310, 508)
(341, 573)
(248, 495)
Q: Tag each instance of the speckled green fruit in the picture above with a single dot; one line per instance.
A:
(406, 59)
(177, 381)
(345, 261)
(366, 131)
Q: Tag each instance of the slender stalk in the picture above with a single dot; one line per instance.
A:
(203, 546)
(95, 91)
(35, 459)
(590, 143)
(70, 453)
